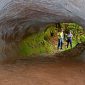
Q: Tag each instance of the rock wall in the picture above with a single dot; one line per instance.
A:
(18, 18)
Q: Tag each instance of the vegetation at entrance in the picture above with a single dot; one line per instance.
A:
(38, 43)
(46, 42)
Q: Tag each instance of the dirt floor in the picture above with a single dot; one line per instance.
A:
(47, 71)
(59, 69)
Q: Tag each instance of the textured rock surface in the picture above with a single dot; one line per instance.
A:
(18, 16)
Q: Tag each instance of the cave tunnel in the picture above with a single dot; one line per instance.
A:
(28, 42)
(20, 19)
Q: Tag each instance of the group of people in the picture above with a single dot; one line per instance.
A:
(64, 37)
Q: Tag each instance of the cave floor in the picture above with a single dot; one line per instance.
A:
(39, 72)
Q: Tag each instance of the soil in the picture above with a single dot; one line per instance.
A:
(43, 71)
(59, 69)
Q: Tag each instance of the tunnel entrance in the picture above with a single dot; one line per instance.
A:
(46, 42)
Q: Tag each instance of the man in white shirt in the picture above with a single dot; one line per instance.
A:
(69, 39)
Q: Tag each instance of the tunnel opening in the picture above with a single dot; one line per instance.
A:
(45, 42)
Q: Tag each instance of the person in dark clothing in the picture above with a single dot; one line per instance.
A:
(69, 39)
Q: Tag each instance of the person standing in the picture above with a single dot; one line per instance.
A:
(69, 39)
(60, 39)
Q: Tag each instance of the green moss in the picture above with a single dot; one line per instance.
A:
(82, 38)
(40, 43)
(36, 44)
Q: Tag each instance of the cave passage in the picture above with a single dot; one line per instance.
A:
(30, 31)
